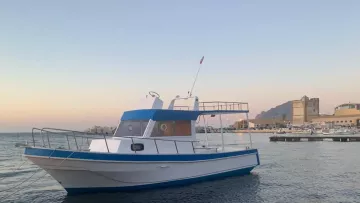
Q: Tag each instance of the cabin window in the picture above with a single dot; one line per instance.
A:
(131, 128)
(171, 128)
(182, 128)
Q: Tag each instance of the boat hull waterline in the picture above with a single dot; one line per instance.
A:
(88, 172)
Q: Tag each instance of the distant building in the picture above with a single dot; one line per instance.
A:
(262, 123)
(297, 112)
(304, 110)
(102, 130)
(344, 115)
(243, 124)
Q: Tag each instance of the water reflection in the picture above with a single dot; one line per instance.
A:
(241, 189)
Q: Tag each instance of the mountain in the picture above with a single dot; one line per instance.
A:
(283, 111)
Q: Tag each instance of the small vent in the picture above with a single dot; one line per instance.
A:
(137, 147)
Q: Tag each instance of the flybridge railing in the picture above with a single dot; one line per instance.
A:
(73, 139)
(187, 108)
(220, 105)
(217, 106)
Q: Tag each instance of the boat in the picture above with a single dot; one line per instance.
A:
(152, 147)
(328, 132)
(22, 144)
(345, 131)
(280, 131)
(340, 131)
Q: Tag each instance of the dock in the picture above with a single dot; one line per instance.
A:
(314, 138)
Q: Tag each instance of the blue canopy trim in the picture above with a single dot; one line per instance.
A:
(173, 115)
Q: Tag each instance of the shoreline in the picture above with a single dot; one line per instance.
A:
(268, 131)
(263, 131)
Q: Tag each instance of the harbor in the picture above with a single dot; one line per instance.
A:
(279, 163)
(314, 138)
(179, 102)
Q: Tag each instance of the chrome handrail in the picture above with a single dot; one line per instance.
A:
(65, 133)
(187, 107)
(166, 140)
(218, 105)
(156, 138)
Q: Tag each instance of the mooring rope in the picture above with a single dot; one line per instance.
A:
(26, 179)
(33, 175)
(22, 182)
(13, 170)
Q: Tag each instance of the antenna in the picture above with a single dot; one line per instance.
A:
(190, 93)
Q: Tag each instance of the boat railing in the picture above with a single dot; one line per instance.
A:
(221, 105)
(165, 140)
(217, 106)
(72, 138)
(187, 108)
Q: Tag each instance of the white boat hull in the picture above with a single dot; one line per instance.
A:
(83, 172)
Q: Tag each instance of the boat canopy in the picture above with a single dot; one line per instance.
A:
(166, 114)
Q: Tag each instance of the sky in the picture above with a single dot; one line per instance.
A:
(75, 64)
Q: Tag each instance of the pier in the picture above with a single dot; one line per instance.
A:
(314, 138)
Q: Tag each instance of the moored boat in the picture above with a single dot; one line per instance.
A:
(152, 147)
(280, 131)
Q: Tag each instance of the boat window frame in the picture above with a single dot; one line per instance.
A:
(122, 127)
(158, 127)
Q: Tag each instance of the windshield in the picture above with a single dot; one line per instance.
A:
(131, 128)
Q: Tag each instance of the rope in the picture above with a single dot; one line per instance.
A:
(24, 187)
(14, 169)
(22, 181)
(33, 175)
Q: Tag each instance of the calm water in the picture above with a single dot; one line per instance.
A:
(289, 172)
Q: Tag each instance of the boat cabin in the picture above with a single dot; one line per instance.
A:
(154, 130)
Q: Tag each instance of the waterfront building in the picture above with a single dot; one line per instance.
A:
(291, 113)
(102, 130)
(344, 115)
(304, 110)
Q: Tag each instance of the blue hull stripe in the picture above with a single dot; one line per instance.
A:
(132, 157)
(239, 172)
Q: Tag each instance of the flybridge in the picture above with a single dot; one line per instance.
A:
(184, 112)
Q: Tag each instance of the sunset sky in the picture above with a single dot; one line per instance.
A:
(75, 64)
